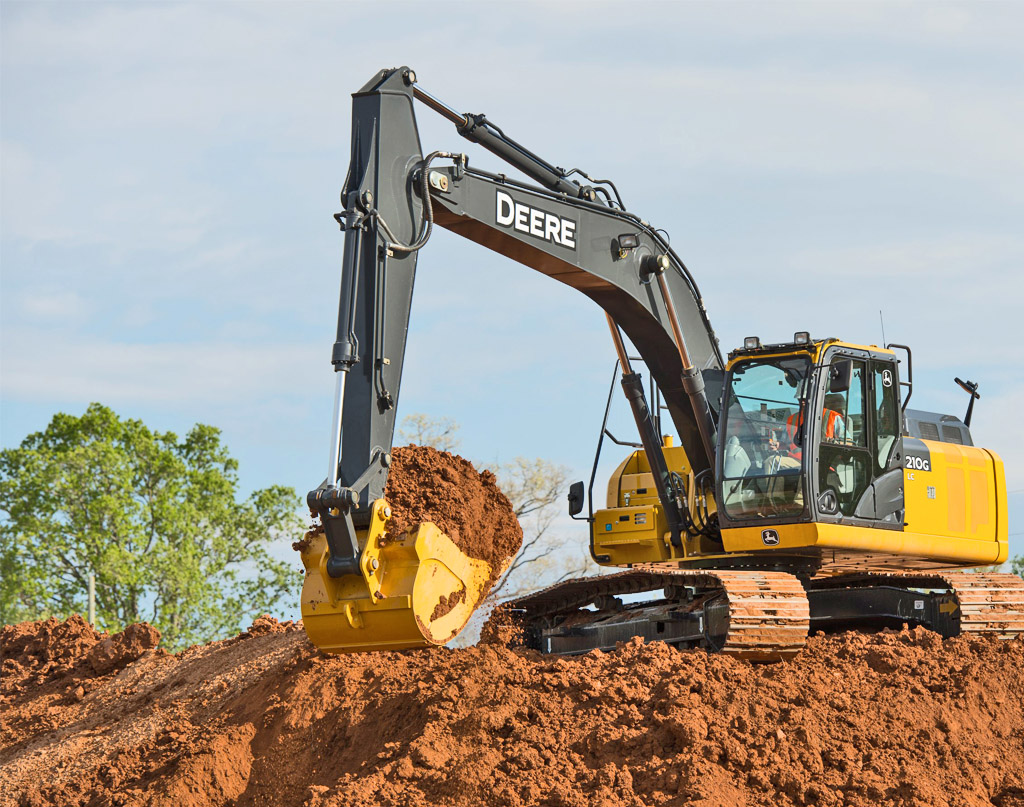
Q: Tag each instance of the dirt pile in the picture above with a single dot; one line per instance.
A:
(425, 484)
(263, 719)
(35, 651)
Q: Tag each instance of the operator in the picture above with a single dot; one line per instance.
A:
(790, 456)
(833, 429)
(834, 425)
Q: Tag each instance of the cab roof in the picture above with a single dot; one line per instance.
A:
(813, 348)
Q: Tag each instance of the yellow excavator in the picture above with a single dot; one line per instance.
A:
(803, 494)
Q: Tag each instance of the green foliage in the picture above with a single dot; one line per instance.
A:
(1017, 565)
(154, 518)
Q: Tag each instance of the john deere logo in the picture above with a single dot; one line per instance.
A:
(534, 222)
(770, 537)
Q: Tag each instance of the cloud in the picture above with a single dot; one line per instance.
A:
(39, 366)
(32, 195)
(48, 305)
(997, 425)
(944, 257)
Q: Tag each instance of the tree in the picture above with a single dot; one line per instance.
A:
(536, 488)
(424, 430)
(154, 518)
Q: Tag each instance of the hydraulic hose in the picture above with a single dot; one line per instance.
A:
(428, 211)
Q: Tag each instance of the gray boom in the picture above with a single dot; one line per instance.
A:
(564, 230)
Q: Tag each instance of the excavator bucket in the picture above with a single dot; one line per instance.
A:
(415, 590)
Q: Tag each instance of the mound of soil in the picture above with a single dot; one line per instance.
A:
(896, 718)
(35, 651)
(425, 484)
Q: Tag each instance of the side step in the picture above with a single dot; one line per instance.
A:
(755, 615)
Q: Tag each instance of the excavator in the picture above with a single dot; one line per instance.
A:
(803, 495)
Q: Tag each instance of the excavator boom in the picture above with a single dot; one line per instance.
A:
(393, 196)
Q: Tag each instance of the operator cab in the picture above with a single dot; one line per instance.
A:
(810, 431)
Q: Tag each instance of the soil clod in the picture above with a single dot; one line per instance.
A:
(425, 484)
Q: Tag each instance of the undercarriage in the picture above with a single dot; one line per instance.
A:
(761, 615)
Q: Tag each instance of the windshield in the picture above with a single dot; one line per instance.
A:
(762, 474)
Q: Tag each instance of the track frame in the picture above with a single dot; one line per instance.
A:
(762, 615)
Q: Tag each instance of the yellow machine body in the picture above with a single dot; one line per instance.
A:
(633, 528)
(416, 590)
(955, 516)
(961, 521)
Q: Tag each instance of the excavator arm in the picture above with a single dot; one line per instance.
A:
(576, 233)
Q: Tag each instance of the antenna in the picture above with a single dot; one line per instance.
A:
(882, 320)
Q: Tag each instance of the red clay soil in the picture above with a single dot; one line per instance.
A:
(425, 484)
(894, 718)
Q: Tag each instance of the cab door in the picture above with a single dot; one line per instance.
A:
(858, 472)
(886, 505)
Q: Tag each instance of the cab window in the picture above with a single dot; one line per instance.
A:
(885, 412)
(763, 438)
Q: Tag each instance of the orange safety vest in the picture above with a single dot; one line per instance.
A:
(795, 422)
(832, 417)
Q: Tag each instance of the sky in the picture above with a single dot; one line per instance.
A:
(169, 171)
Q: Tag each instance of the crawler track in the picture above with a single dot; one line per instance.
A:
(762, 615)
(756, 615)
(769, 614)
(990, 604)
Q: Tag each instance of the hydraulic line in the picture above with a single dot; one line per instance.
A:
(693, 381)
(428, 211)
(477, 129)
(632, 386)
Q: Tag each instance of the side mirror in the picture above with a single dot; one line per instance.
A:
(575, 498)
(971, 388)
(839, 374)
